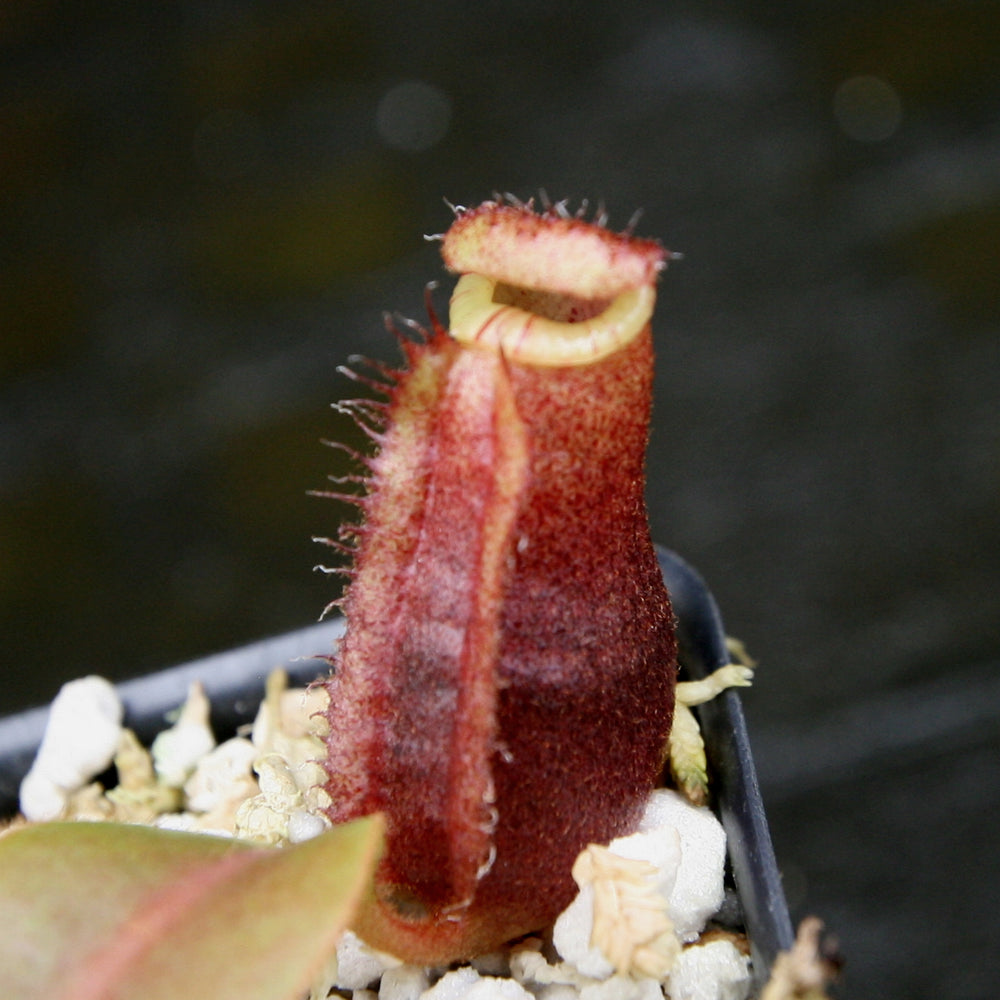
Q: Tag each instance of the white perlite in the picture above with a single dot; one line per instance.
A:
(544, 981)
(81, 737)
(467, 984)
(404, 982)
(698, 887)
(221, 775)
(358, 965)
(619, 920)
(177, 750)
(641, 899)
(632, 915)
(712, 971)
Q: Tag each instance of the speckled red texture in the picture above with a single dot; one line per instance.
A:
(505, 688)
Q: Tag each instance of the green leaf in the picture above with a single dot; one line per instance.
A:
(104, 911)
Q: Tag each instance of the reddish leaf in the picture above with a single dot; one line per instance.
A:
(97, 911)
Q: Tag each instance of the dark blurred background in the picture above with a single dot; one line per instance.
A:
(205, 207)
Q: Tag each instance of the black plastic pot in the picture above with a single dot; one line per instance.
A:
(733, 776)
(234, 682)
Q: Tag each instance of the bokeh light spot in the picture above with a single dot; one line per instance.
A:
(867, 108)
(413, 115)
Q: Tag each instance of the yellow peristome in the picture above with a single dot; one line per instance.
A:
(532, 338)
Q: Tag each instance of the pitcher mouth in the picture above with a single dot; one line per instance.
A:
(548, 288)
(539, 327)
